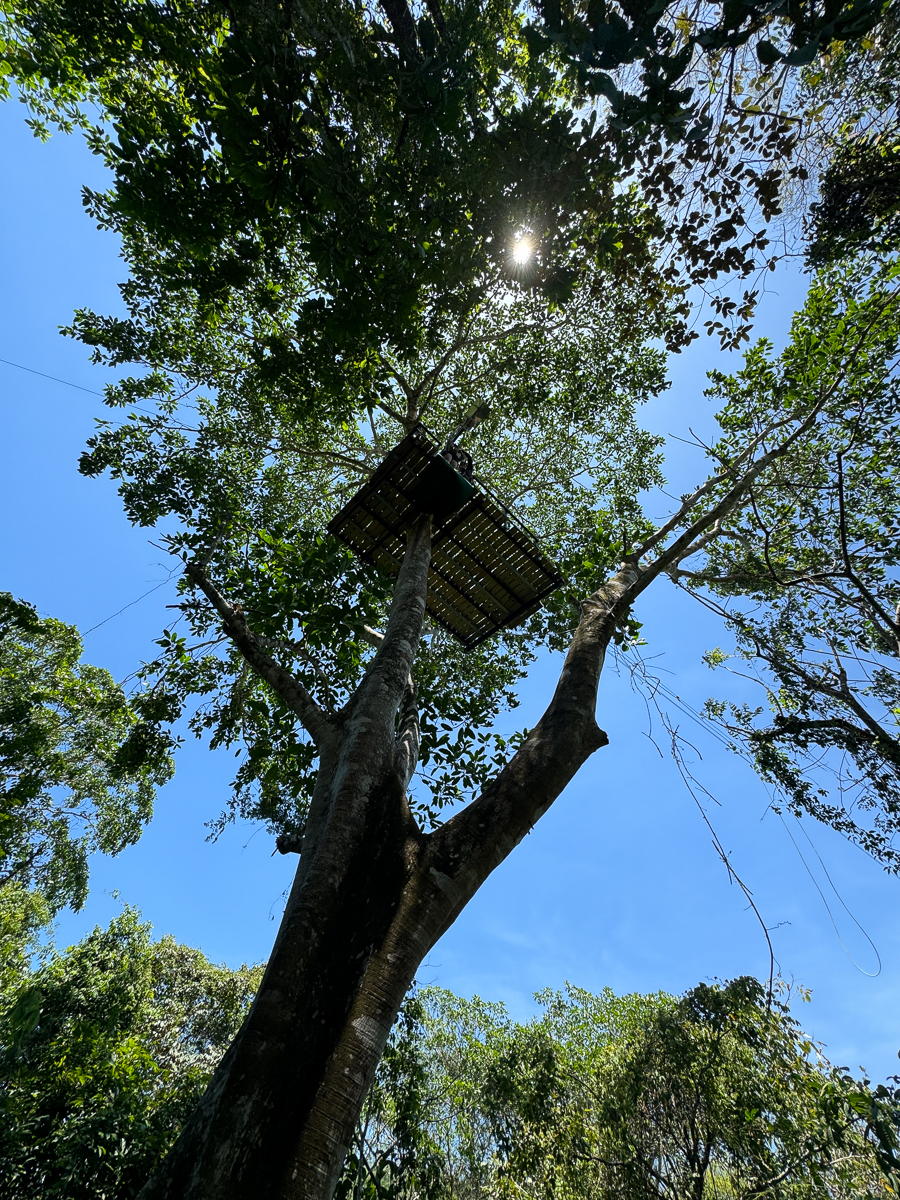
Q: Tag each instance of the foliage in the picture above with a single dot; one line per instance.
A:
(396, 174)
(860, 199)
(860, 185)
(104, 1051)
(320, 213)
(811, 546)
(714, 1093)
(24, 915)
(77, 767)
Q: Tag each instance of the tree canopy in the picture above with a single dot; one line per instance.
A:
(856, 209)
(388, 157)
(791, 538)
(715, 1092)
(800, 560)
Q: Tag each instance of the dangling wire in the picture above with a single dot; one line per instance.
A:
(868, 974)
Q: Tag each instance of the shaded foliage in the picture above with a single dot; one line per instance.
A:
(859, 181)
(860, 200)
(395, 152)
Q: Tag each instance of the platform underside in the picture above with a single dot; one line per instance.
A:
(487, 571)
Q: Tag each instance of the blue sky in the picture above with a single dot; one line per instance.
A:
(619, 885)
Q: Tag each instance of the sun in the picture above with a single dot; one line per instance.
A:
(522, 251)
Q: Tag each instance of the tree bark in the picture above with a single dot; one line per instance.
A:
(372, 895)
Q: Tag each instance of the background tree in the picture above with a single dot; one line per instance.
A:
(104, 1050)
(836, 171)
(78, 770)
(713, 1093)
(806, 576)
(856, 209)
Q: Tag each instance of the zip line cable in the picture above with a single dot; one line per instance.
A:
(55, 378)
(90, 391)
(130, 604)
(868, 974)
(704, 721)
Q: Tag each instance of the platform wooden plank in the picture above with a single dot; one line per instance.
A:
(487, 571)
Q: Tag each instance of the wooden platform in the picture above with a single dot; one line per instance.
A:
(487, 571)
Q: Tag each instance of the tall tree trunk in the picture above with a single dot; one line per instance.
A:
(278, 1115)
(372, 895)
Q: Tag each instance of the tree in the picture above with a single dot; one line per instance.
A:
(78, 769)
(717, 1092)
(104, 1050)
(385, 895)
(375, 888)
(276, 222)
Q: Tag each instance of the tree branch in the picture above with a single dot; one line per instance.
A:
(678, 550)
(314, 720)
(391, 668)
(436, 15)
(402, 24)
(406, 423)
(737, 580)
(870, 599)
(734, 496)
(411, 393)
(815, 683)
(471, 844)
(691, 502)
(836, 725)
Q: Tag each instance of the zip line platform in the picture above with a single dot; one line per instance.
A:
(487, 570)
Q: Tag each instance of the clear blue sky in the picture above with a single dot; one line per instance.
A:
(618, 885)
